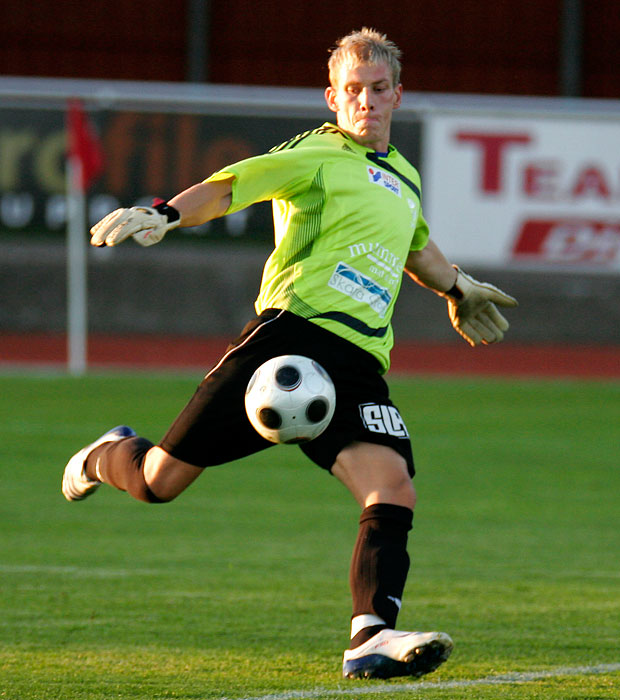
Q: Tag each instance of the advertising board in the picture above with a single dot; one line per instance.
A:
(512, 191)
(145, 155)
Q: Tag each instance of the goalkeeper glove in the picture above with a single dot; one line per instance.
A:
(147, 225)
(473, 312)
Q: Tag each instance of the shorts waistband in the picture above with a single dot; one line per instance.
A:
(354, 352)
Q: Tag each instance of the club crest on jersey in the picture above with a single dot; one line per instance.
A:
(380, 177)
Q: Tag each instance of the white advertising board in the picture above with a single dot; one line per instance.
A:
(534, 191)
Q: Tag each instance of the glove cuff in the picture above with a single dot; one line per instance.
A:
(173, 215)
(455, 293)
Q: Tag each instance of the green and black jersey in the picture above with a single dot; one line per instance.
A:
(345, 219)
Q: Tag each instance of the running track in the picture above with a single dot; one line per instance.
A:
(160, 352)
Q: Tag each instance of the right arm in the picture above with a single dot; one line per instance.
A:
(203, 202)
(148, 225)
(272, 175)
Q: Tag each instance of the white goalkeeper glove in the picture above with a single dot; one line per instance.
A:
(473, 311)
(147, 225)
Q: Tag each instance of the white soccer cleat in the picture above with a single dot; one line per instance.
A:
(390, 653)
(75, 484)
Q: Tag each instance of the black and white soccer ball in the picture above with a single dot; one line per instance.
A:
(290, 399)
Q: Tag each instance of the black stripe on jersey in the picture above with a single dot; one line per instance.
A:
(291, 143)
(296, 140)
(377, 160)
(354, 323)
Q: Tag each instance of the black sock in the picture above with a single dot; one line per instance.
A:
(364, 635)
(380, 565)
(121, 464)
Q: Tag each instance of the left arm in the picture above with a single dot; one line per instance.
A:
(430, 268)
(471, 304)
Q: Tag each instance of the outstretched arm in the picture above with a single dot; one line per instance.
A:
(203, 202)
(148, 225)
(471, 304)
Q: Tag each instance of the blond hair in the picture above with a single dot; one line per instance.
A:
(364, 46)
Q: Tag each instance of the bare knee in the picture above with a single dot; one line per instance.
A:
(375, 474)
(166, 476)
(397, 489)
(404, 490)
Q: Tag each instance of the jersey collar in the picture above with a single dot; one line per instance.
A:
(358, 147)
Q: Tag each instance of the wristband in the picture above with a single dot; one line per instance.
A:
(454, 292)
(168, 211)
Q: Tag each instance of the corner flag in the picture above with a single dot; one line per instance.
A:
(83, 144)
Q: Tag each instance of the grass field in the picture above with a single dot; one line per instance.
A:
(239, 588)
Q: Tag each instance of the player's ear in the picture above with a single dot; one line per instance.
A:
(330, 98)
(398, 95)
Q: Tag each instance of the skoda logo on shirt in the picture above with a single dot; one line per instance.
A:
(380, 177)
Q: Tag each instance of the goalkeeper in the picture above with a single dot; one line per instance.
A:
(348, 223)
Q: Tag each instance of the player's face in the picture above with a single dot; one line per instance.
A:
(364, 99)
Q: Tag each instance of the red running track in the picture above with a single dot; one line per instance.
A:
(161, 352)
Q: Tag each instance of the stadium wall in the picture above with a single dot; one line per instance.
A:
(486, 46)
(171, 290)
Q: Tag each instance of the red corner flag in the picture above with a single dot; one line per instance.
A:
(83, 144)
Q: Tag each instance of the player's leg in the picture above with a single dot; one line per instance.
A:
(375, 474)
(211, 429)
(367, 447)
(129, 463)
(378, 477)
(146, 472)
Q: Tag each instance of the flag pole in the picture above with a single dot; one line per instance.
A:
(77, 313)
(84, 164)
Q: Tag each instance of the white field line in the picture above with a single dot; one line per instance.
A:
(392, 690)
(102, 572)
(74, 571)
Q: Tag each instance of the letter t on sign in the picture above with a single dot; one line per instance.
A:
(492, 148)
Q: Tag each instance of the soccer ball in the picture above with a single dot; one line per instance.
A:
(290, 399)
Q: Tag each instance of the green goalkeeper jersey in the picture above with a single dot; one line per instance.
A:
(345, 219)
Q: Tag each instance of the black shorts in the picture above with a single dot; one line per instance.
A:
(213, 428)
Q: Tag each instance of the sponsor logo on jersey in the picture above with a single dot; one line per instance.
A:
(380, 177)
(354, 284)
(378, 418)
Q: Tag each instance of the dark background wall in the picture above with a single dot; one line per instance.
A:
(546, 47)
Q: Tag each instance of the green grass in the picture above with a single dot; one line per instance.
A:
(239, 588)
